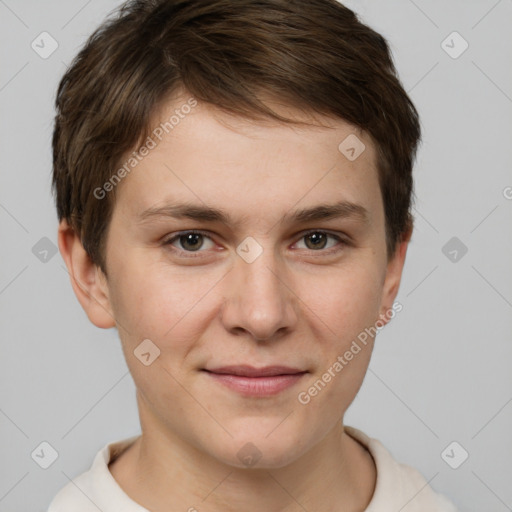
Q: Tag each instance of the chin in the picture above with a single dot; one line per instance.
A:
(256, 449)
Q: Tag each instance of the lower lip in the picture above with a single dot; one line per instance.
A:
(257, 386)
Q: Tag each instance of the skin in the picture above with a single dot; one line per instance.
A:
(296, 305)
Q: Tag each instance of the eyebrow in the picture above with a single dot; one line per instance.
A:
(341, 209)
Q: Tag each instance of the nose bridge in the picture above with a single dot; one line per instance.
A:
(260, 275)
(258, 299)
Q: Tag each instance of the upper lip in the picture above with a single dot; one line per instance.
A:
(250, 371)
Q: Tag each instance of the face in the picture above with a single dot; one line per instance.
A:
(219, 254)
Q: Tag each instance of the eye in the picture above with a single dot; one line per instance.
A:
(318, 240)
(193, 241)
(189, 241)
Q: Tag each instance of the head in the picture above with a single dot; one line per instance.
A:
(241, 112)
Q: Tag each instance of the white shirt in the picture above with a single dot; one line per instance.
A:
(398, 488)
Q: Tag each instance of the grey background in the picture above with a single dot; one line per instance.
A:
(440, 371)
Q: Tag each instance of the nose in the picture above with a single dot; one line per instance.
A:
(259, 302)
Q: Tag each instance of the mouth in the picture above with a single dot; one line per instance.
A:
(257, 382)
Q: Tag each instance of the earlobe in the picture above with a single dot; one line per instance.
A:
(88, 282)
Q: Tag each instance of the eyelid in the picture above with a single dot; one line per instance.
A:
(342, 239)
(168, 241)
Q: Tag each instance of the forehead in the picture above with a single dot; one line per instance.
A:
(203, 156)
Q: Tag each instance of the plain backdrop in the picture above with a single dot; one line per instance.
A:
(439, 387)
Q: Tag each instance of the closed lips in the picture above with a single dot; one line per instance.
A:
(249, 371)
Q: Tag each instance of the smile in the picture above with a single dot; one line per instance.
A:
(261, 382)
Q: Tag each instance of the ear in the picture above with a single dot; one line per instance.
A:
(393, 276)
(88, 281)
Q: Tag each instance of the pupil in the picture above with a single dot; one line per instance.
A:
(317, 239)
(192, 240)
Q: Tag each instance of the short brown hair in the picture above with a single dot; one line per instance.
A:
(315, 55)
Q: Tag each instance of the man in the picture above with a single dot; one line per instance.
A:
(233, 182)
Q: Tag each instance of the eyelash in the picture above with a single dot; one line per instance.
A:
(194, 254)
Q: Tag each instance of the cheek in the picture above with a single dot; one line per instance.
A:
(160, 303)
(165, 308)
(346, 301)
(346, 306)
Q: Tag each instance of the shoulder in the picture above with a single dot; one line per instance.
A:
(78, 494)
(95, 489)
(399, 486)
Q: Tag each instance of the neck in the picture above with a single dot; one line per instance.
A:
(164, 473)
